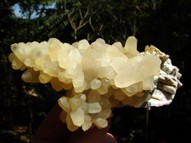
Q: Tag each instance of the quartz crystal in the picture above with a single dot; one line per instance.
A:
(97, 76)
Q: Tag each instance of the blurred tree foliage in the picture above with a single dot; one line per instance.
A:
(163, 23)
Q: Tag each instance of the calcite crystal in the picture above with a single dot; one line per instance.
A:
(97, 76)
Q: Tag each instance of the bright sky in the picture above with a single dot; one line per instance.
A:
(17, 10)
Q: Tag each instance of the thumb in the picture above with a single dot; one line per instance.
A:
(109, 138)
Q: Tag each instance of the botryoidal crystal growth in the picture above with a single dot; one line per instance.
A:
(97, 76)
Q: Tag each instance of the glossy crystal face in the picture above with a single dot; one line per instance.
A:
(98, 76)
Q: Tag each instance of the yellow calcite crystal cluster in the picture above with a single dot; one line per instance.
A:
(97, 75)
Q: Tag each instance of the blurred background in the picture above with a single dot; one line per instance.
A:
(163, 23)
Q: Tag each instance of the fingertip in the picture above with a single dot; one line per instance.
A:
(109, 138)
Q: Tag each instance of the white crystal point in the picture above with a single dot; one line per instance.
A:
(63, 103)
(16, 63)
(77, 117)
(95, 84)
(131, 46)
(83, 45)
(70, 124)
(86, 126)
(94, 108)
(55, 47)
(75, 103)
(101, 122)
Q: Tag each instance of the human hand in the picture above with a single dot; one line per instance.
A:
(52, 130)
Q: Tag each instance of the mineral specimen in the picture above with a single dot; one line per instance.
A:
(98, 76)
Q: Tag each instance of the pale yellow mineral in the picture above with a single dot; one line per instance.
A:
(98, 76)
